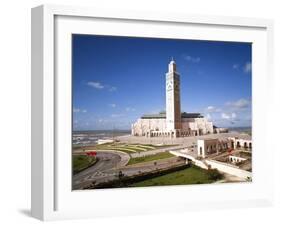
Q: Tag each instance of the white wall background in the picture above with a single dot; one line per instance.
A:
(15, 111)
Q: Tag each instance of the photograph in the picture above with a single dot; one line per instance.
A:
(152, 111)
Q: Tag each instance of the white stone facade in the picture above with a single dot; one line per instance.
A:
(172, 123)
(153, 127)
(209, 146)
(240, 143)
(173, 108)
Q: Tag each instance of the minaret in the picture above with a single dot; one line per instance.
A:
(173, 109)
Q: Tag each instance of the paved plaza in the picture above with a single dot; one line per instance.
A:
(182, 141)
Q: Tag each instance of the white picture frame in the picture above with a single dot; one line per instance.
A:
(52, 197)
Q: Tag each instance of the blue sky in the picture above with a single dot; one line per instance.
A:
(117, 79)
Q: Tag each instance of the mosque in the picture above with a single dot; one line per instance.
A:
(173, 123)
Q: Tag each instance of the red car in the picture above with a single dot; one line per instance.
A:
(230, 150)
(91, 153)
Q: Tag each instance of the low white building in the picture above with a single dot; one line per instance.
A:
(104, 141)
(240, 143)
(236, 159)
(209, 146)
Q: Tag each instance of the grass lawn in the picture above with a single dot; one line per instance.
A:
(81, 162)
(245, 154)
(128, 148)
(192, 175)
(124, 149)
(149, 158)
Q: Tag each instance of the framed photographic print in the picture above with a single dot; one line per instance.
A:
(137, 112)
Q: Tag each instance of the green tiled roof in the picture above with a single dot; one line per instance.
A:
(163, 115)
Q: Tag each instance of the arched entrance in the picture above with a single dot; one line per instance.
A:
(238, 144)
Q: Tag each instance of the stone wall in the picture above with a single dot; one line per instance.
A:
(226, 168)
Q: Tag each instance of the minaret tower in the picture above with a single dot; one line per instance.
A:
(173, 109)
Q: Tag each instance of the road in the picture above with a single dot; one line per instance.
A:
(111, 162)
(105, 161)
(108, 166)
(150, 166)
(156, 151)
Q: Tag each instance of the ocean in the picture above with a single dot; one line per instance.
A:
(247, 130)
(91, 137)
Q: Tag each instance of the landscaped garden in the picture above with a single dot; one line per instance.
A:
(81, 162)
(191, 175)
(162, 155)
(128, 148)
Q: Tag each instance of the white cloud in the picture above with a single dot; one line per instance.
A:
(235, 66)
(102, 120)
(212, 109)
(228, 116)
(247, 67)
(78, 110)
(99, 85)
(208, 116)
(130, 109)
(96, 85)
(225, 116)
(112, 105)
(192, 59)
(112, 88)
(239, 104)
